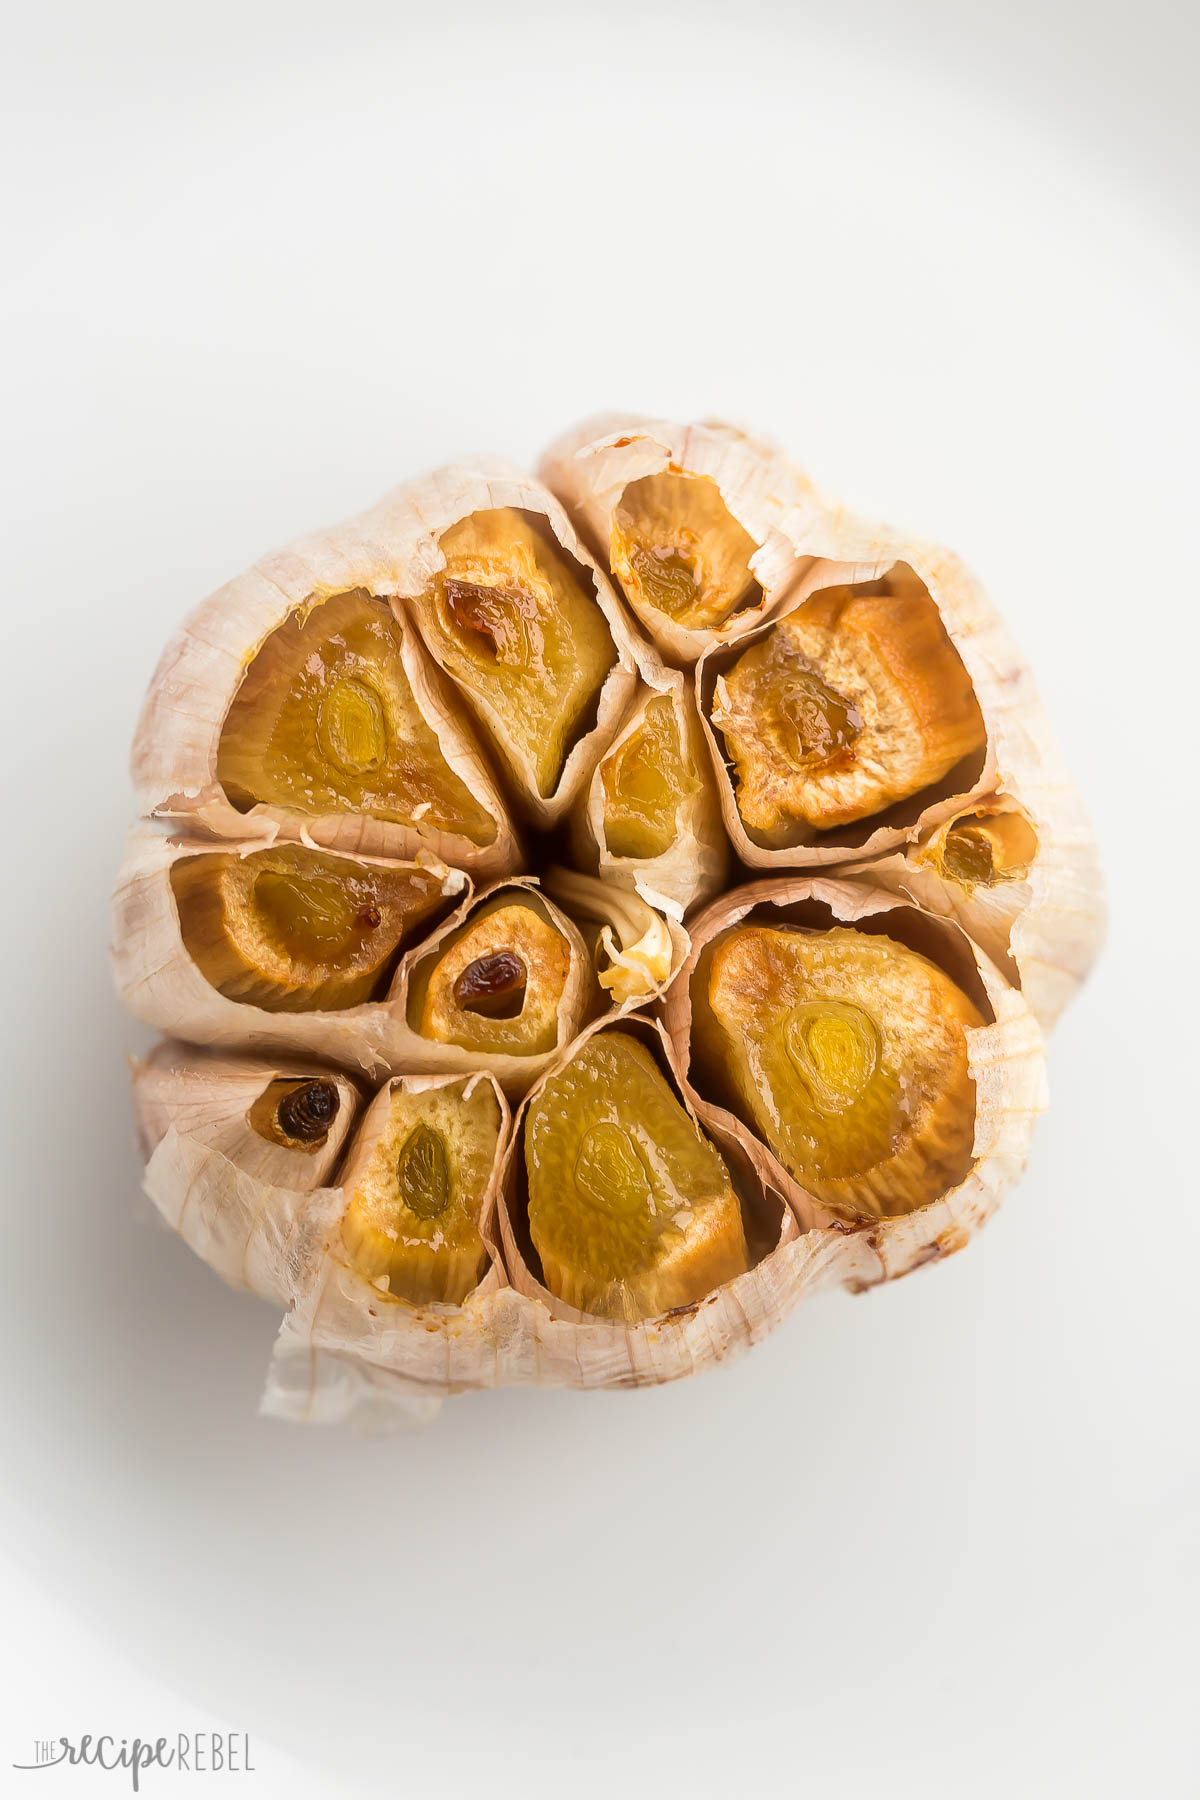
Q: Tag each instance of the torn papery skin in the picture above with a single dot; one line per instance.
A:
(254, 1212)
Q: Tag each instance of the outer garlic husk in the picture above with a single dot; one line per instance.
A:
(160, 983)
(1057, 919)
(696, 864)
(254, 1211)
(346, 1352)
(418, 512)
(590, 467)
(1006, 1061)
(175, 748)
(348, 1349)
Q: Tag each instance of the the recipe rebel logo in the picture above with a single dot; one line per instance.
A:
(199, 1753)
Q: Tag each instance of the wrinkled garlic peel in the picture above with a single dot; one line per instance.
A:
(671, 658)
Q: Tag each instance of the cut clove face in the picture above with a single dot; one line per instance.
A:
(847, 1053)
(855, 701)
(677, 549)
(646, 779)
(631, 1209)
(498, 985)
(412, 1225)
(514, 621)
(984, 849)
(325, 721)
(296, 930)
(296, 1113)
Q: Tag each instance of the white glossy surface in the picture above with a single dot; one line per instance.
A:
(264, 261)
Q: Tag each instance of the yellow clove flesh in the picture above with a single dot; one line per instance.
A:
(631, 1209)
(296, 930)
(847, 1052)
(325, 721)
(677, 549)
(497, 985)
(515, 622)
(646, 780)
(853, 702)
(412, 1224)
(984, 849)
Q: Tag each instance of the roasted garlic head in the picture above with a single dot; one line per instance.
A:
(587, 915)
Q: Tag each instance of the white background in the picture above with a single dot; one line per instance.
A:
(261, 262)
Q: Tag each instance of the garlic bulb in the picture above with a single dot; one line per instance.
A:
(585, 917)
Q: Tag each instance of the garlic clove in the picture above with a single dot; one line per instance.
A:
(296, 702)
(676, 549)
(498, 985)
(704, 528)
(848, 1055)
(502, 985)
(854, 701)
(326, 720)
(1004, 1088)
(522, 621)
(631, 1209)
(650, 818)
(175, 928)
(368, 1336)
(291, 929)
(418, 1182)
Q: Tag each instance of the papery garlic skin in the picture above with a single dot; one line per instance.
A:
(256, 1211)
